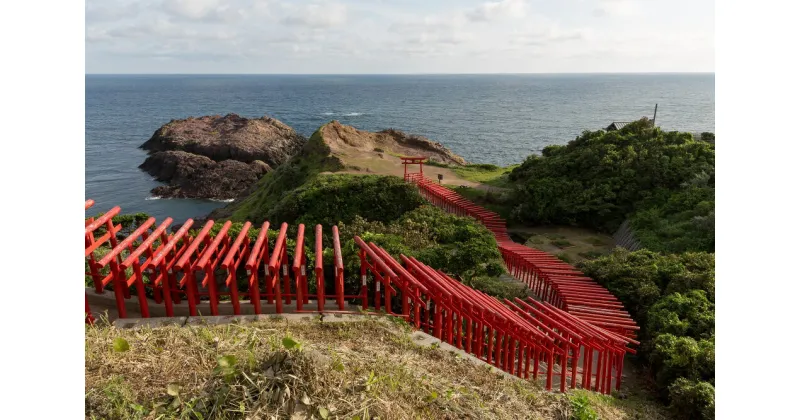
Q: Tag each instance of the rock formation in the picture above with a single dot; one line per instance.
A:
(346, 138)
(217, 157)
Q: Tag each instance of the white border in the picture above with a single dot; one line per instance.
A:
(758, 288)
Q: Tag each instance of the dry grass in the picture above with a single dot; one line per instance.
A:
(349, 370)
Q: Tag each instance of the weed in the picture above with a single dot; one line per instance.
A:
(581, 409)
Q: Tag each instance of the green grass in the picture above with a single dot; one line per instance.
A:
(597, 241)
(563, 256)
(311, 161)
(480, 172)
(486, 174)
(561, 243)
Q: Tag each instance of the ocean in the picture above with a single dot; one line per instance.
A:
(497, 119)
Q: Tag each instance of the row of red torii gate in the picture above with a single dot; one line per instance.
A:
(573, 332)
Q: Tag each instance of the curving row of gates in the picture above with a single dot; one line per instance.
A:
(576, 335)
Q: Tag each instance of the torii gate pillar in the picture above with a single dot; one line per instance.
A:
(412, 160)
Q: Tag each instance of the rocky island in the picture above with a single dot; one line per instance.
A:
(217, 157)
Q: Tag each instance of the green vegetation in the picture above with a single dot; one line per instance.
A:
(129, 223)
(682, 222)
(484, 173)
(329, 199)
(664, 181)
(314, 158)
(672, 298)
(459, 246)
(582, 409)
(561, 243)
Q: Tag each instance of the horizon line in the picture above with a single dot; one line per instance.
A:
(399, 74)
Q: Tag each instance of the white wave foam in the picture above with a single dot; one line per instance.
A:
(348, 114)
(153, 198)
(226, 200)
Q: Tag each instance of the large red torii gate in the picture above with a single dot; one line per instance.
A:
(412, 160)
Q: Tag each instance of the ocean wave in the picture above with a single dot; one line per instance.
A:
(223, 200)
(346, 114)
(153, 198)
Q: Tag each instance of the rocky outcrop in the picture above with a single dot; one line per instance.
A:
(341, 137)
(195, 176)
(217, 157)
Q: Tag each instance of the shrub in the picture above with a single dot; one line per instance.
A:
(458, 246)
(330, 199)
(690, 314)
(692, 399)
(671, 297)
(498, 288)
(675, 357)
(600, 178)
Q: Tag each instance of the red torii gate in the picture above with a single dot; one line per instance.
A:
(412, 160)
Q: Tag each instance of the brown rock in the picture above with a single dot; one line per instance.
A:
(217, 157)
(344, 137)
(229, 137)
(194, 176)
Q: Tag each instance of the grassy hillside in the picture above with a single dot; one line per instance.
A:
(364, 369)
(312, 160)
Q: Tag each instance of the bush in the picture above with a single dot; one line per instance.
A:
(498, 288)
(682, 315)
(458, 246)
(599, 179)
(681, 357)
(692, 399)
(330, 199)
(672, 298)
(639, 279)
(683, 222)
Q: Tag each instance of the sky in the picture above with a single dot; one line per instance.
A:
(402, 36)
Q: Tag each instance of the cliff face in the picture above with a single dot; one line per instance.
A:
(217, 157)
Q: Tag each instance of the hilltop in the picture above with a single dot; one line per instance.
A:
(338, 148)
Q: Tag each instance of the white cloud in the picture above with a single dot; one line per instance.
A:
(551, 36)
(490, 11)
(366, 36)
(317, 15)
(202, 10)
(617, 8)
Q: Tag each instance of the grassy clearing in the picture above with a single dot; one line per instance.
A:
(561, 243)
(298, 370)
(481, 172)
(572, 244)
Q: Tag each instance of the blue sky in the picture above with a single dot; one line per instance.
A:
(403, 36)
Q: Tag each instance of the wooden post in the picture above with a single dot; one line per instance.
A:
(654, 115)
